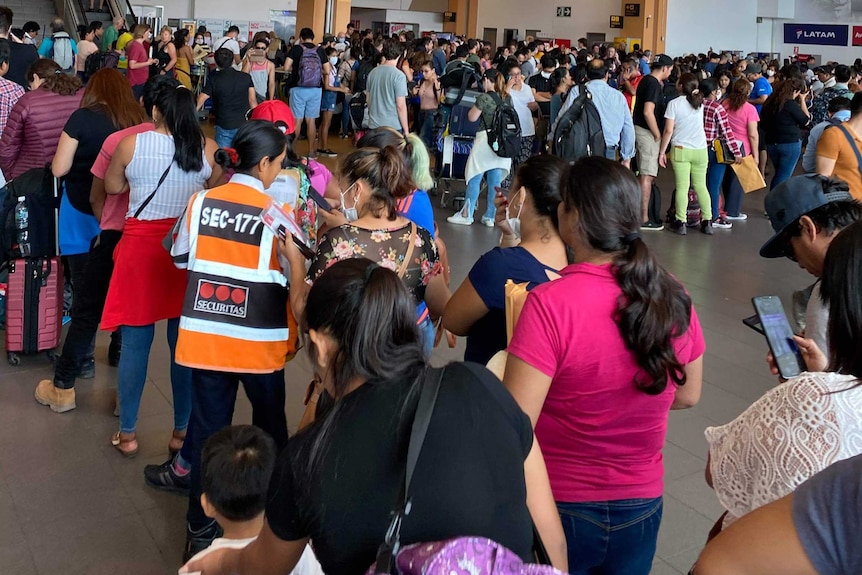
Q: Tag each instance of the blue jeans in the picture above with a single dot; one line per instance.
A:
(132, 374)
(714, 176)
(494, 179)
(224, 138)
(784, 158)
(427, 333)
(345, 114)
(611, 537)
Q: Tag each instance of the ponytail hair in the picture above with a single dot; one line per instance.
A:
(177, 107)
(386, 174)
(412, 148)
(53, 78)
(541, 176)
(653, 309)
(689, 84)
(254, 141)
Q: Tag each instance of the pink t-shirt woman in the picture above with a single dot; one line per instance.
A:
(601, 436)
(739, 120)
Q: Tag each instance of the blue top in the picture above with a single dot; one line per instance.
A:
(616, 118)
(48, 43)
(644, 66)
(488, 276)
(417, 208)
(761, 87)
(826, 517)
(438, 58)
(76, 229)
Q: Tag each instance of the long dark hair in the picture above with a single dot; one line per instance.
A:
(689, 83)
(412, 148)
(653, 309)
(782, 92)
(386, 174)
(541, 176)
(368, 312)
(177, 108)
(254, 141)
(842, 272)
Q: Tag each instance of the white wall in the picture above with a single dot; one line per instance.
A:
(823, 53)
(588, 16)
(695, 25)
(230, 9)
(425, 20)
(173, 8)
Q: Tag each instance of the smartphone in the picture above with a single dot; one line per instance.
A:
(779, 335)
(753, 321)
(319, 200)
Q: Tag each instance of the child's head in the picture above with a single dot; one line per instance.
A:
(236, 466)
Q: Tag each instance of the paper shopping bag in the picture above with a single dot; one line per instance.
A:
(749, 175)
(516, 295)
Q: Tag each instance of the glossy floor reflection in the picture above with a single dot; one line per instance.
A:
(70, 504)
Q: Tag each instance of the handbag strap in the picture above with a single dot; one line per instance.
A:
(430, 388)
(852, 144)
(153, 193)
(409, 253)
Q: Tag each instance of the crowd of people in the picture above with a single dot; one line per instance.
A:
(560, 443)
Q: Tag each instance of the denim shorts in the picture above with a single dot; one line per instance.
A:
(305, 102)
(327, 101)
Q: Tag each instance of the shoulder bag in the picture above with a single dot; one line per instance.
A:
(152, 195)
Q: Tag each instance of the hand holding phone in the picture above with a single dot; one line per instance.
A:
(782, 342)
(319, 200)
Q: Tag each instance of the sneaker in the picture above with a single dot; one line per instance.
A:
(59, 400)
(326, 152)
(677, 227)
(737, 218)
(489, 222)
(164, 478)
(460, 219)
(706, 227)
(88, 369)
(197, 541)
(722, 224)
(344, 136)
(652, 226)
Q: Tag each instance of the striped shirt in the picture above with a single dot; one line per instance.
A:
(153, 153)
(716, 126)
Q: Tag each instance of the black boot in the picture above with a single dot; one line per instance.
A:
(197, 541)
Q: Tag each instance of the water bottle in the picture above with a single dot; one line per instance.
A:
(22, 224)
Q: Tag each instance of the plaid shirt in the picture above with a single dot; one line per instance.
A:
(9, 94)
(717, 126)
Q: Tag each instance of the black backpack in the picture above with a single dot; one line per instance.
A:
(579, 130)
(37, 188)
(504, 134)
(362, 73)
(98, 60)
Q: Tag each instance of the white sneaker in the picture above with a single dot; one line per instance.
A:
(489, 222)
(740, 218)
(459, 219)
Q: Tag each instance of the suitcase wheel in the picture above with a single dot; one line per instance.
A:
(13, 358)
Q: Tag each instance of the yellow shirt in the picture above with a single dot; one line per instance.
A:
(124, 39)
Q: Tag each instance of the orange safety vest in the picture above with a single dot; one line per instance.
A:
(236, 313)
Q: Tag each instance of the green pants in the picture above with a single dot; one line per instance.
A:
(689, 170)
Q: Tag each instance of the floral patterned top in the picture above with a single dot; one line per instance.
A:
(386, 247)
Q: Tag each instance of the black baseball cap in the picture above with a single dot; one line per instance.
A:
(794, 198)
(660, 61)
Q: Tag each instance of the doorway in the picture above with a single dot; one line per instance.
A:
(532, 34)
(509, 34)
(490, 35)
(594, 38)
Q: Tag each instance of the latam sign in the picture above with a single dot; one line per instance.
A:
(857, 35)
(819, 34)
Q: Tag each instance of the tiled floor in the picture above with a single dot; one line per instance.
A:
(70, 504)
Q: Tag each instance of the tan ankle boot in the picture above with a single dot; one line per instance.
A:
(59, 400)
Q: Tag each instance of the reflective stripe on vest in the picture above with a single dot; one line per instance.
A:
(235, 312)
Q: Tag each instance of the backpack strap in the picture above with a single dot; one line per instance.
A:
(429, 390)
(852, 144)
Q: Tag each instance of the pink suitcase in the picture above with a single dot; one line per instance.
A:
(34, 307)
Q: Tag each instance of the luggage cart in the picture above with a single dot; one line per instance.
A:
(452, 154)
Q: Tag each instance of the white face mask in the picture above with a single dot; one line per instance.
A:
(350, 214)
(515, 223)
(546, 75)
(333, 60)
(199, 41)
(770, 72)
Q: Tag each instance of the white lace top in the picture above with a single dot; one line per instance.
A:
(791, 433)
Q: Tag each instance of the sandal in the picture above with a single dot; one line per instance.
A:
(176, 442)
(127, 447)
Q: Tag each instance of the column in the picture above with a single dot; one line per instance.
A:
(312, 14)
